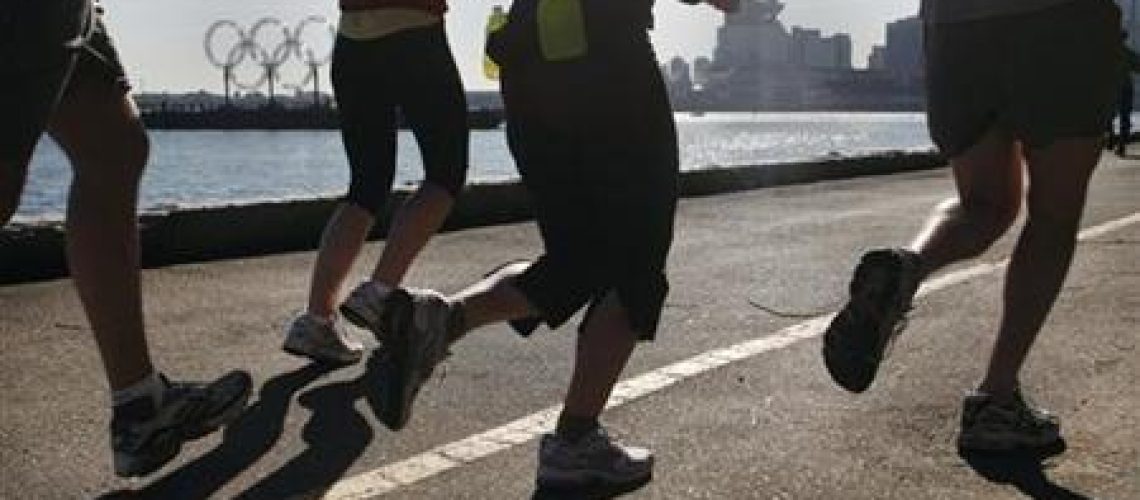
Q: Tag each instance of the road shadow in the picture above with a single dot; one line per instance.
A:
(244, 441)
(336, 435)
(592, 492)
(1022, 469)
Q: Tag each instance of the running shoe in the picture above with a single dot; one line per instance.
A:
(423, 324)
(366, 307)
(989, 425)
(881, 292)
(592, 462)
(322, 341)
(144, 437)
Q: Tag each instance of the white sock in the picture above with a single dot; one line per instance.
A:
(150, 385)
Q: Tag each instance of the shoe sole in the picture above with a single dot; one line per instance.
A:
(397, 403)
(361, 320)
(126, 467)
(333, 362)
(857, 373)
(853, 373)
(588, 488)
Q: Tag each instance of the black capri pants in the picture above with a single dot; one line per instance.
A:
(412, 71)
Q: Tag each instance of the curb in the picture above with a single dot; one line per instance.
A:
(34, 252)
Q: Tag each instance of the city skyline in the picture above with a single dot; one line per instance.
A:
(152, 34)
(161, 40)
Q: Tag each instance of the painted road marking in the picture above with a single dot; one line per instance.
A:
(394, 476)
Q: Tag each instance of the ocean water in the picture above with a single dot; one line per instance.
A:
(202, 168)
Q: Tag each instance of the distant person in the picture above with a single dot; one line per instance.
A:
(391, 60)
(1124, 116)
(61, 73)
(1013, 87)
(589, 124)
(1127, 95)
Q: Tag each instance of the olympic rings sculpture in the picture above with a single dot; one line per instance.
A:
(257, 46)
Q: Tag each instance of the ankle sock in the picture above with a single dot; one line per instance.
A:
(571, 428)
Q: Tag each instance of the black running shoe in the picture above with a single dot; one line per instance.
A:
(881, 292)
(989, 425)
(421, 329)
(145, 437)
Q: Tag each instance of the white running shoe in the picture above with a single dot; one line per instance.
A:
(593, 461)
(322, 341)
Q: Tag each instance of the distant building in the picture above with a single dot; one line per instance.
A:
(902, 55)
(678, 79)
(702, 70)
(811, 50)
(759, 64)
(877, 61)
(753, 36)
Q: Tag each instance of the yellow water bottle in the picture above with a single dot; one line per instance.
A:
(561, 29)
(495, 22)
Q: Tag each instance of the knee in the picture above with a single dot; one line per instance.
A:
(366, 192)
(450, 182)
(1054, 215)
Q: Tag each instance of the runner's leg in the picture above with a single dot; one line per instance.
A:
(989, 179)
(99, 129)
(1058, 176)
(434, 104)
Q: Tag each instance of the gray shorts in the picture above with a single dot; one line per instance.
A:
(1043, 76)
(46, 47)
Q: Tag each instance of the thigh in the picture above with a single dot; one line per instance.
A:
(366, 103)
(433, 102)
(990, 173)
(97, 122)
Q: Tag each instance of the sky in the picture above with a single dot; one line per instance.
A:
(161, 41)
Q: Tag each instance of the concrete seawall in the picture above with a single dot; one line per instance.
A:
(36, 251)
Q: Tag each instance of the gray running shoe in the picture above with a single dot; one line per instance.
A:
(366, 308)
(321, 341)
(881, 292)
(423, 322)
(990, 425)
(594, 461)
(144, 438)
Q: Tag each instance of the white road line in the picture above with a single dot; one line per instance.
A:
(393, 476)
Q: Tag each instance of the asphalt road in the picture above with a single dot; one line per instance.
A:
(767, 425)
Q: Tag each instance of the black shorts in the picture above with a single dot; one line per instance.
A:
(412, 71)
(46, 46)
(1046, 75)
(596, 148)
